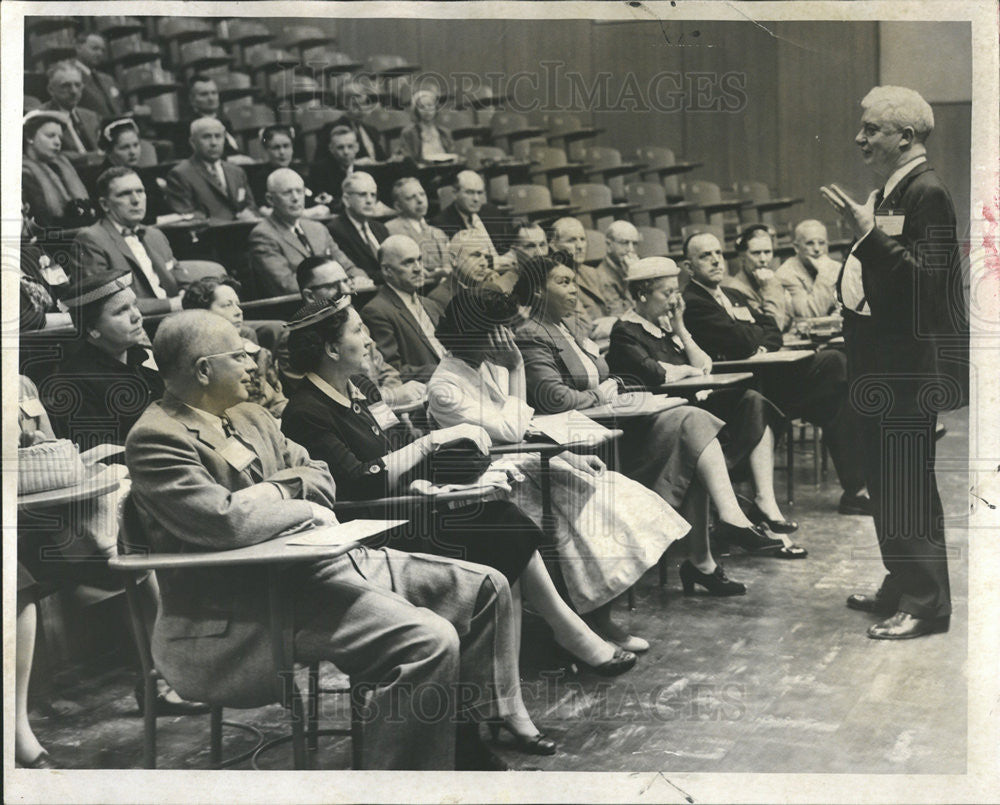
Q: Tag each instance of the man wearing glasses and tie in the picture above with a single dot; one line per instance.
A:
(900, 289)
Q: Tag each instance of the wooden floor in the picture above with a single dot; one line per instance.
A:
(782, 680)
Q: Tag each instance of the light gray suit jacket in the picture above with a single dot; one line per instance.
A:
(275, 253)
(192, 189)
(211, 639)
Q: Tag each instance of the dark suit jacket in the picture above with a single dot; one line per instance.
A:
(191, 188)
(354, 246)
(211, 639)
(723, 338)
(326, 176)
(449, 220)
(557, 381)
(101, 95)
(275, 253)
(373, 133)
(102, 248)
(90, 124)
(635, 355)
(913, 281)
(399, 337)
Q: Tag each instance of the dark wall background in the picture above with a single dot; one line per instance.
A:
(797, 88)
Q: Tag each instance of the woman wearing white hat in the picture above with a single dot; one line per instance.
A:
(651, 346)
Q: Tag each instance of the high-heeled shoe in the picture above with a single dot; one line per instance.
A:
(537, 744)
(757, 517)
(617, 636)
(751, 540)
(716, 582)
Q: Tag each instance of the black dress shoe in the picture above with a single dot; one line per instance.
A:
(716, 582)
(855, 504)
(751, 540)
(757, 517)
(870, 603)
(165, 707)
(537, 744)
(903, 626)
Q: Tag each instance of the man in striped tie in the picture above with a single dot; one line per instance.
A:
(900, 299)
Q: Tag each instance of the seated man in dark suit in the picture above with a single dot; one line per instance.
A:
(207, 185)
(358, 101)
(356, 232)
(203, 98)
(66, 90)
(100, 92)
(400, 622)
(119, 242)
(400, 320)
(470, 210)
(725, 324)
(284, 238)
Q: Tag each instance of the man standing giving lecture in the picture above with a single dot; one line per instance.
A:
(898, 291)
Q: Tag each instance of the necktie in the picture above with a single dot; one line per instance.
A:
(304, 240)
(426, 325)
(254, 468)
(82, 133)
(854, 264)
(365, 140)
(74, 133)
(372, 240)
(133, 239)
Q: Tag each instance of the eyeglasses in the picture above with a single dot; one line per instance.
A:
(240, 355)
(870, 130)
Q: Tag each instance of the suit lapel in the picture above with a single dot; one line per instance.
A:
(285, 234)
(407, 317)
(119, 241)
(210, 179)
(891, 202)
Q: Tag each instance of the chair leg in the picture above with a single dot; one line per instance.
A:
(299, 754)
(357, 696)
(817, 449)
(790, 463)
(312, 709)
(215, 739)
(149, 720)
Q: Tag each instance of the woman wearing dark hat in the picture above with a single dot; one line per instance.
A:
(279, 145)
(101, 388)
(121, 143)
(651, 346)
(50, 185)
(667, 451)
(339, 417)
(610, 529)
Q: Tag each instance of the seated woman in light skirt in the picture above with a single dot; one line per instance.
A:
(610, 529)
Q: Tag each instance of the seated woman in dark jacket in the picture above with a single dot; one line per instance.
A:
(101, 388)
(668, 451)
(339, 417)
(50, 185)
(643, 354)
(426, 140)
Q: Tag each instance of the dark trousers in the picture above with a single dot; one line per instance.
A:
(896, 428)
(816, 390)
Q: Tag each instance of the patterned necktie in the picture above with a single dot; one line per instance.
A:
(81, 132)
(304, 240)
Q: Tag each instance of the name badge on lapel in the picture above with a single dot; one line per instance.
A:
(54, 274)
(170, 265)
(383, 415)
(32, 408)
(241, 194)
(237, 455)
(742, 314)
(891, 223)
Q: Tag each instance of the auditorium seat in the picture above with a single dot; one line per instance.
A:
(525, 150)
(234, 85)
(462, 125)
(653, 243)
(509, 127)
(297, 38)
(389, 123)
(597, 247)
(201, 55)
(550, 166)
(292, 88)
(606, 164)
(310, 121)
(132, 50)
(566, 131)
(664, 168)
(532, 202)
(498, 169)
(248, 120)
(597, 209)
(115, 27)
(262, 60)
(715, 229)
(710, 207)
(652, 206)
(767, 206)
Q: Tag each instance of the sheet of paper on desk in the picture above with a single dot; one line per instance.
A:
(570, 426)
(342, 533)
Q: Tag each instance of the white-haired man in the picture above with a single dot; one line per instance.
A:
(898, 292)
(809, 276)
(603, 286)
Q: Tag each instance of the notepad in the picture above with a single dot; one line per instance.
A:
(343, 533)
(567, 427)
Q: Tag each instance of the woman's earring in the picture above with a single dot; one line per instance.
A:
(642, 299)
